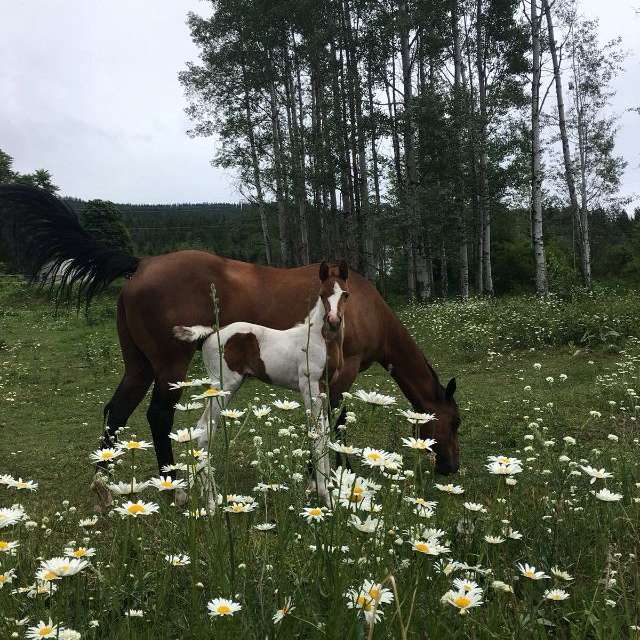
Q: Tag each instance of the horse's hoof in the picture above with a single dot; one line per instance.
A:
(180, 497)
(104, 499)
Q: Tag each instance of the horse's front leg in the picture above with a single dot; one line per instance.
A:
(319, 435)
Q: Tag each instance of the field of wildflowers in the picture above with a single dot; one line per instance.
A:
(536, 537)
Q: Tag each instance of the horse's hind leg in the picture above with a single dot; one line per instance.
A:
(127, 396)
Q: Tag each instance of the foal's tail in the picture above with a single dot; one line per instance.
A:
(45, 238)
(192, 334)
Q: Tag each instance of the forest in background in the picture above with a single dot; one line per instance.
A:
(445, 148)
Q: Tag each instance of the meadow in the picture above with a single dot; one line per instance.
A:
(535, 537)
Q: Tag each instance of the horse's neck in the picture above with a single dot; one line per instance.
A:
(409, 368)
(312, 324)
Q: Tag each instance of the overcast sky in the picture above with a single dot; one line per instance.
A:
(89, 91)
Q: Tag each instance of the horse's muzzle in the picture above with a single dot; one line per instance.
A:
(447, 467)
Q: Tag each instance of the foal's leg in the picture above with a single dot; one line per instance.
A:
(231, 381)
(341, 383)
(310, 390)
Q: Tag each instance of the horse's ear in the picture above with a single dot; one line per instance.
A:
(451, 389)
(343, 268)
(324, 270)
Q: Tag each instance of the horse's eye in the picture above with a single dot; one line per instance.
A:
(346, 294)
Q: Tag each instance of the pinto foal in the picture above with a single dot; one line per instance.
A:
(304, 358)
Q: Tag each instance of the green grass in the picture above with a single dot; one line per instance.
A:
(57, 369)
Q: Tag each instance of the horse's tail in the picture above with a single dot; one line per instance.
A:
(49, 245)
(192, 334)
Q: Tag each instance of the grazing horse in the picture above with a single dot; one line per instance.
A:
(163, 291)
(301, 358)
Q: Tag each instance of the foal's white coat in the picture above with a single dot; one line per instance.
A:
(293, 358)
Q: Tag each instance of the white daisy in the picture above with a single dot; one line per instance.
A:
(219, 607)
(373, 397)
(135, 509)
(286, 405)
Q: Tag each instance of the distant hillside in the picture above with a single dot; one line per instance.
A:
(222, 227)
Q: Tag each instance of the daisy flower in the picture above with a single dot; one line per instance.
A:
(241, 507)
(596, 474)
(63, 567)
(125, 488)
(286, 609)
(430, 547)
(498, 585)
(418, 418)
(189, 406)
(80, 552)
(186, 435)
(418, 443)
(373, 397)
(531, 573)
(135, 509)
(29, 485)
(134, 613)
(286, 405)
(343, 448)
(314, 514)
(494, 539)
(463, 600)
(88, 522)
(178, 559)
(211, 392)
(134, 445)
(11, 515)
(261, 412)
(8, 546)
(232, 414)
(375, 457)
(559, 573)
(500, 469)
(365, 526)
(555, 594)
(107, 454)
(7, 577)
(607, 496)
(166, 483)
(222, 607)
(44, 630)
(265, 526)
(462, 584)
(475, 506)
(450, 488)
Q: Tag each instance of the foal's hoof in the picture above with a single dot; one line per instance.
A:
(104, 499)
(180, 497)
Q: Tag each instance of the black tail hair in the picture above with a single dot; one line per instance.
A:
(49, 245)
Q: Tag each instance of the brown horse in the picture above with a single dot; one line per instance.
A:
(174, 289)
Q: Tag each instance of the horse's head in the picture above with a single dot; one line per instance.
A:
(334, 292)
(444, 430)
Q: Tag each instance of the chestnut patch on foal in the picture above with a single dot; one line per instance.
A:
(242, 355)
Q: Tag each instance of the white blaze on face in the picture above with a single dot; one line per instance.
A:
(332, 316)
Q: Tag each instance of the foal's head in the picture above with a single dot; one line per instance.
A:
(334, 293)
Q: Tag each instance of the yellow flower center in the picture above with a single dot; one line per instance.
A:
(133, 444)
(166, 484)
(49, 575)
(374, 592)
(3, 545)
(3, 578)
(224, 609)
(422, 547)
(43, 632)
(316, 511)
(462, 601)
(374, 455)
(65, 566)
(80, 553)
(529, 573)
(135, 508)
(212, 392)
(106, 455)
(21, 485)
(237, 508)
